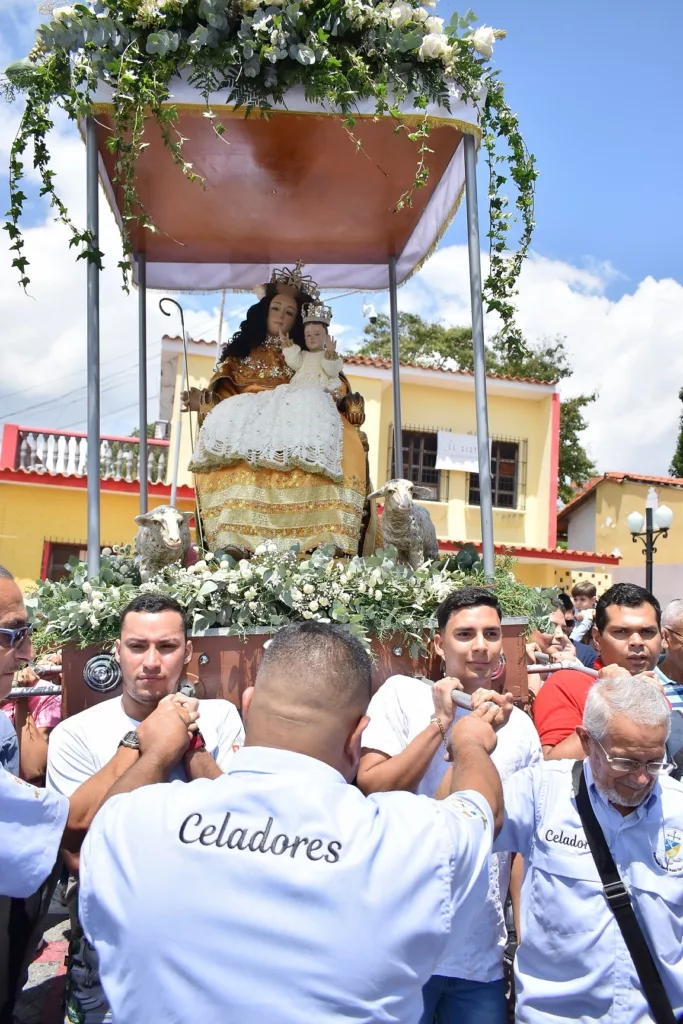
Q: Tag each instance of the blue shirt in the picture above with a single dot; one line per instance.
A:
(278, 893)
(572, 963)
(9, 745)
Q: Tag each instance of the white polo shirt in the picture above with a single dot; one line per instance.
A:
(572, 963)
(400, 711)
(32, 823)
(81, 745)
(277, 893)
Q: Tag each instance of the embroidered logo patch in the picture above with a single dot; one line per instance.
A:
(669, 852)
(467, 809)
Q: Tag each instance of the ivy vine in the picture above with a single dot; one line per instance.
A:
(253, 52)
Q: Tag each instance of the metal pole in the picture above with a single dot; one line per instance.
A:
(93, 361)
(649, 548)
(142, 378)
(395, 370)
(176, 445)
(483, 446)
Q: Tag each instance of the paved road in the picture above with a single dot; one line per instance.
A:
(41, 1000)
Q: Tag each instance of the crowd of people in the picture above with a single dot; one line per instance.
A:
(427, 852)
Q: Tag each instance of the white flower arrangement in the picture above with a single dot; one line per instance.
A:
(373, 597)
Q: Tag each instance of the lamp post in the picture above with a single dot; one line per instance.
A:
(649, 528)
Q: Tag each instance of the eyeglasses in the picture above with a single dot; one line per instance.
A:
(628, 764)
(14, 638)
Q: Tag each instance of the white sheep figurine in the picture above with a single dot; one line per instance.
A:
(407, 526)
(163, 537)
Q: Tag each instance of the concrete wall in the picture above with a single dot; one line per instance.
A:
(34, 512)
(581, 531)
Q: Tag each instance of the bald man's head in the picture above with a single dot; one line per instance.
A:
(311, 694)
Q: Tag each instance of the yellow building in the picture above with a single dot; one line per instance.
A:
(43, 505)
(437, 409)
(43, 508)
(597, 518)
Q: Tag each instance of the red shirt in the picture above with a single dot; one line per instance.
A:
(558, 708)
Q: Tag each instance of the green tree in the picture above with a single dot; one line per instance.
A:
(676, 467)
(451, 347)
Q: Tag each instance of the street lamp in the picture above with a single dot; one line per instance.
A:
(649, 528)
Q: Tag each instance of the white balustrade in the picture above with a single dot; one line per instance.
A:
(59, 452)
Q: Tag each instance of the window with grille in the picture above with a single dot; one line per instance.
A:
(419, 462)
(508, 475)
(55, 557)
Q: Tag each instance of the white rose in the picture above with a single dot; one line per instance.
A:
(296, 594)
(260, 550)
(253, 605)
(86, 588)
(400, 13)
(225, 564)
(314, 606)
(63, 13)
(420, 15)
(94, 621)
(378, 595)
(307, 615)
(84, 606)
(344, 598)
(209, 555)
(201, 564)
(434, 25)
(233, 588)
(309, 588)
(324, 603)
(482, 40)
(250, 594)
(434, 45)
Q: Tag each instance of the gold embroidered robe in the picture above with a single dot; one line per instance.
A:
(243, 507)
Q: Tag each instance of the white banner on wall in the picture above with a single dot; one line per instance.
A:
(457, 452)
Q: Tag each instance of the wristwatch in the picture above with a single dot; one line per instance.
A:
(196, 743)
(131, 739)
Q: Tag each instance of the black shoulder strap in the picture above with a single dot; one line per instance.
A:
(620, 904)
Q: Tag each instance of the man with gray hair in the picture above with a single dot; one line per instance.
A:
(573, 962)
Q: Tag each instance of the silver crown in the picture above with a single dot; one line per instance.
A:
(317, 313)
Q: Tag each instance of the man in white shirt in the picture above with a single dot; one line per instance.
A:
(34, 822)
(152, 651)
(572, 962)
(279, 892)
(403, 748)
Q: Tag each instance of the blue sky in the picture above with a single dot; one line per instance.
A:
(596, 86)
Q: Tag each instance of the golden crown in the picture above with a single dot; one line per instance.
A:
(316, 313)
(295, 281)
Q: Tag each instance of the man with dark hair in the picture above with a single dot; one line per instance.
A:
(302, 900)
(403, 749)
(628, 640)
(152, 651)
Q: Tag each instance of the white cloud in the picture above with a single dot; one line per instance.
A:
(629, 349)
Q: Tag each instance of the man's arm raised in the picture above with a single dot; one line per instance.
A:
(471, 742)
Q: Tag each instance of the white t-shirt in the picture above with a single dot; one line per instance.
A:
(400, 711)
(31, 827)
(300, 901)
(81, 745)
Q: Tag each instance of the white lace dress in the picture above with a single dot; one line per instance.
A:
(296, 424)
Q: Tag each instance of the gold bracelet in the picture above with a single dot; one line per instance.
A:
(441, 730)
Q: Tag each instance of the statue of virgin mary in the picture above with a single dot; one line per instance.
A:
(242, 505)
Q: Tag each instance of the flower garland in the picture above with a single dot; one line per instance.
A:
(340, 51)
(373, 596)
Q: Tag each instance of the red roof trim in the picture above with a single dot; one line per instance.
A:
(80, 483)
(385, 364)
(555, 555)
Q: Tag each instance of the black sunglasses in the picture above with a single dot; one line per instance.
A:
(15, 637)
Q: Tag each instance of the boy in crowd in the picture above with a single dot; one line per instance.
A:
(403, 749)
(584, 596)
